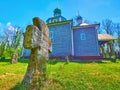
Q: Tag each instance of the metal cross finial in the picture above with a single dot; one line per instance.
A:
(78, 13)
(57, 3)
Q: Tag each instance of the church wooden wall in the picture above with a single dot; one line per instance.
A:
(86, 45)
(61, 40)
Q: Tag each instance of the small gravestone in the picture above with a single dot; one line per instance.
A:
(14, 58)
(36, 38)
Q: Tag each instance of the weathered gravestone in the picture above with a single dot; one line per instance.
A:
(14, 58)
(37, 39)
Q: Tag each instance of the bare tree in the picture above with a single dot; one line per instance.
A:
(109, 28)
(117, 26)
(118, 33)
(13, 42)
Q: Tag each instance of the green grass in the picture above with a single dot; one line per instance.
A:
(62, 76)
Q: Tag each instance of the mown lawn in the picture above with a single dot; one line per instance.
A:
(62, 76)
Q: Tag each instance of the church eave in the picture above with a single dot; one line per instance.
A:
(59, 23)
(55, 17)
(86, 26)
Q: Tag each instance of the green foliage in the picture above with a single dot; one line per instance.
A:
(9, 51)
(16, 39)
(2, 47)
(15, 46)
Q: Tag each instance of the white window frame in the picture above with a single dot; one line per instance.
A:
(83, 36)
(52, 35)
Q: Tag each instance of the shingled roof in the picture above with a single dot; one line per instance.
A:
(105, 37)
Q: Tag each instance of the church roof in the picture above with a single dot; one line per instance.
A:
(55, 17)
(86, 26)
(83, 24)
(105, 37)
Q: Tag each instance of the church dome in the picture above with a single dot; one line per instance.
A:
(79, 18)
(57, 12)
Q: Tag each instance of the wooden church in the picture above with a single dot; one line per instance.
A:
(76, 42)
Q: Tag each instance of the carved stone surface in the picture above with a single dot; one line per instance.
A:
(37, 39)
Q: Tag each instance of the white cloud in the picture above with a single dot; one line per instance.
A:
(11, 28)
(8, 24)
(7, 28)
(16, 29)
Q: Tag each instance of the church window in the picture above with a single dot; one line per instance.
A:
(52, 35)
(54, 20)
(83, 36)
(60, 19)
(49, 21)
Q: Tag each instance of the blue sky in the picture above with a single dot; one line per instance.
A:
(21, 12)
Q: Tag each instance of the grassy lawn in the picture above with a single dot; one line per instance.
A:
(62, 76)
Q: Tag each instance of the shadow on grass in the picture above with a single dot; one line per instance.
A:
(5, 60)
(52, 62)
(23, 60)
(16, 87)
(48, 83)
(95, 61)
(19, 60)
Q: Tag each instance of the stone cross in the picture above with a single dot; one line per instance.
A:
(37, 39)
